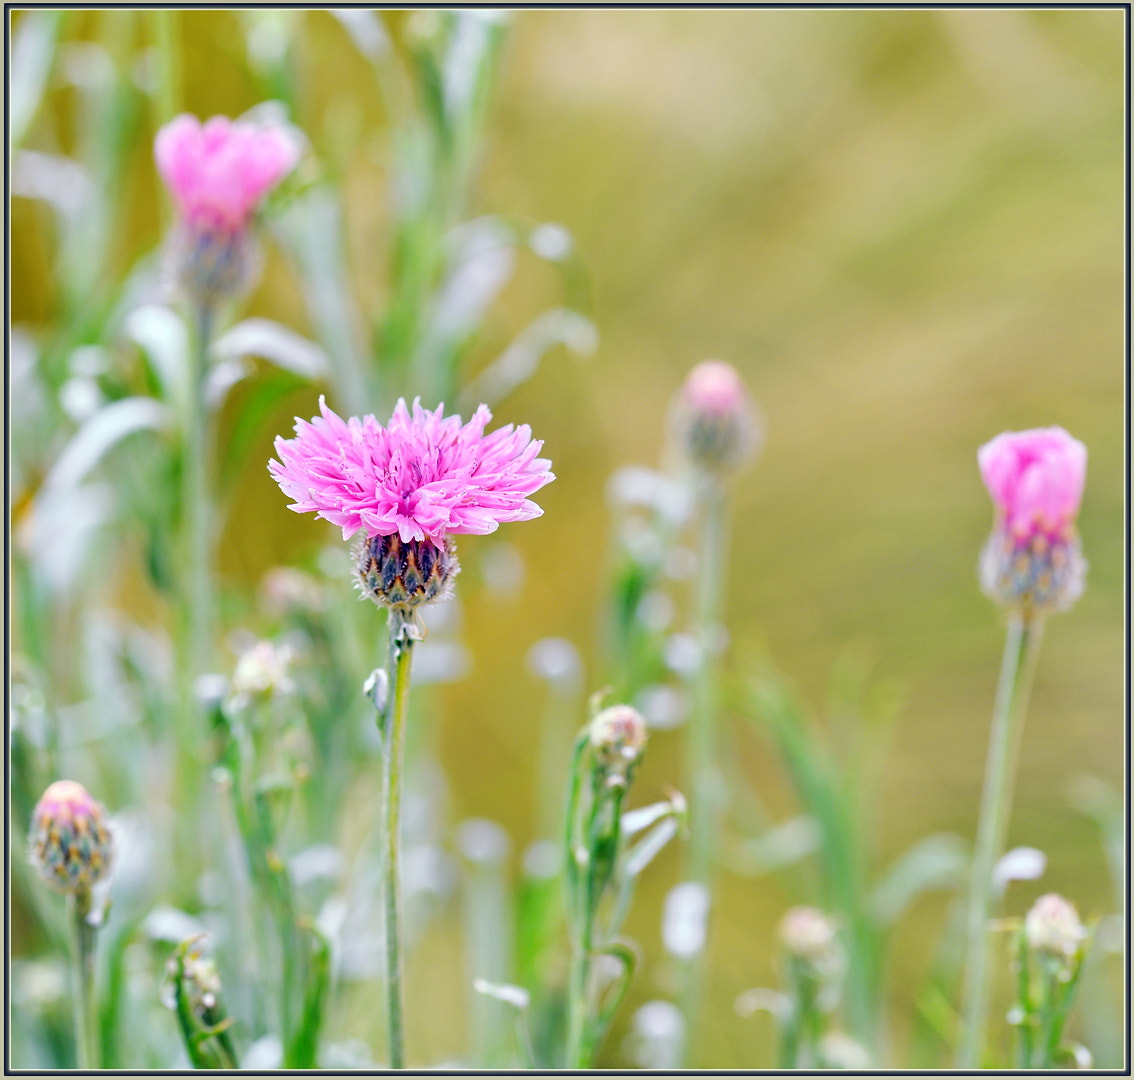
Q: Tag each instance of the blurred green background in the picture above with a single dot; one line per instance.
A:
(906, 230)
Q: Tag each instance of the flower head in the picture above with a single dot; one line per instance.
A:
(1052, 927)
(808, 934)
(714, 423)
(70, 843)
(1036, 480)
(423, 477)
(618, 738)
(1032, 563)
(219, 171)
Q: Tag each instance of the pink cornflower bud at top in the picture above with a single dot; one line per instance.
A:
(713, 421)
(1032, 562)
(218, 173)
(69, 841)
(409, 487)
(1052, 928)
(618, 738)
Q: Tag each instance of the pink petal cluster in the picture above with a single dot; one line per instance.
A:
(715, 387)
(219, 171)
(423, 476)
(1036, 480)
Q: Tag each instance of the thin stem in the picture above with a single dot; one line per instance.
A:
(195, 502)
(401, 651)
(85, 1008)
(704, 783)
(702, 734)
(1020, 651)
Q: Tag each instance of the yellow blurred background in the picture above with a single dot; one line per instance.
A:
(906, 229)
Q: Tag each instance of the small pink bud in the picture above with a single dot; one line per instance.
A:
(714, 422)
(1033, 562)
(69, 841)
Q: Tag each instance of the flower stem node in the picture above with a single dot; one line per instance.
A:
(70, 842)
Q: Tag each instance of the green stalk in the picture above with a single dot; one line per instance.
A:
(401, 652)
(703, 778)
(577, 1051)
(1020, 651)
(85, 1008)
(195, 502)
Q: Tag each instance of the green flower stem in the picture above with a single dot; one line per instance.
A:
(195, 503)
(578, 1055)
(702, 729)
(401, 652)
(704, 778)
(1020, 651)
(85, 1007)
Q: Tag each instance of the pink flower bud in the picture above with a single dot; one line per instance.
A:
(1036, 480)
(218, 174)
(1032, 563)
(714, 422)
(69, 841)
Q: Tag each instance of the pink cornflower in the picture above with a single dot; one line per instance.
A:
(1032, 561)
(219, 171)
(410, 487)
(218, 174)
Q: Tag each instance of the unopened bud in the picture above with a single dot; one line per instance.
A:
(714, 423)
(1052, 927)
(618, 738)
(809, 935)
(70, 843)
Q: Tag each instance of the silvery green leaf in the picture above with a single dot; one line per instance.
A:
(1019, 864)
(274, 342)
(100, 433)
(516, 996)
(162, 335)
(935, 862)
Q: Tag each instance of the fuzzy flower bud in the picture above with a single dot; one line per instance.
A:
(262, 670)
(1032, 562)
(69, 841)
(808, 935)
(218, 174)
(1052, 928)
(713, 421)
(618, 738)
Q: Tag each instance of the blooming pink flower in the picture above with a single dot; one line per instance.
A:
(422, 477)
(218, 172)
(1036, 480)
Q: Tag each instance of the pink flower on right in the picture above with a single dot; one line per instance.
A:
(1032, 563)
